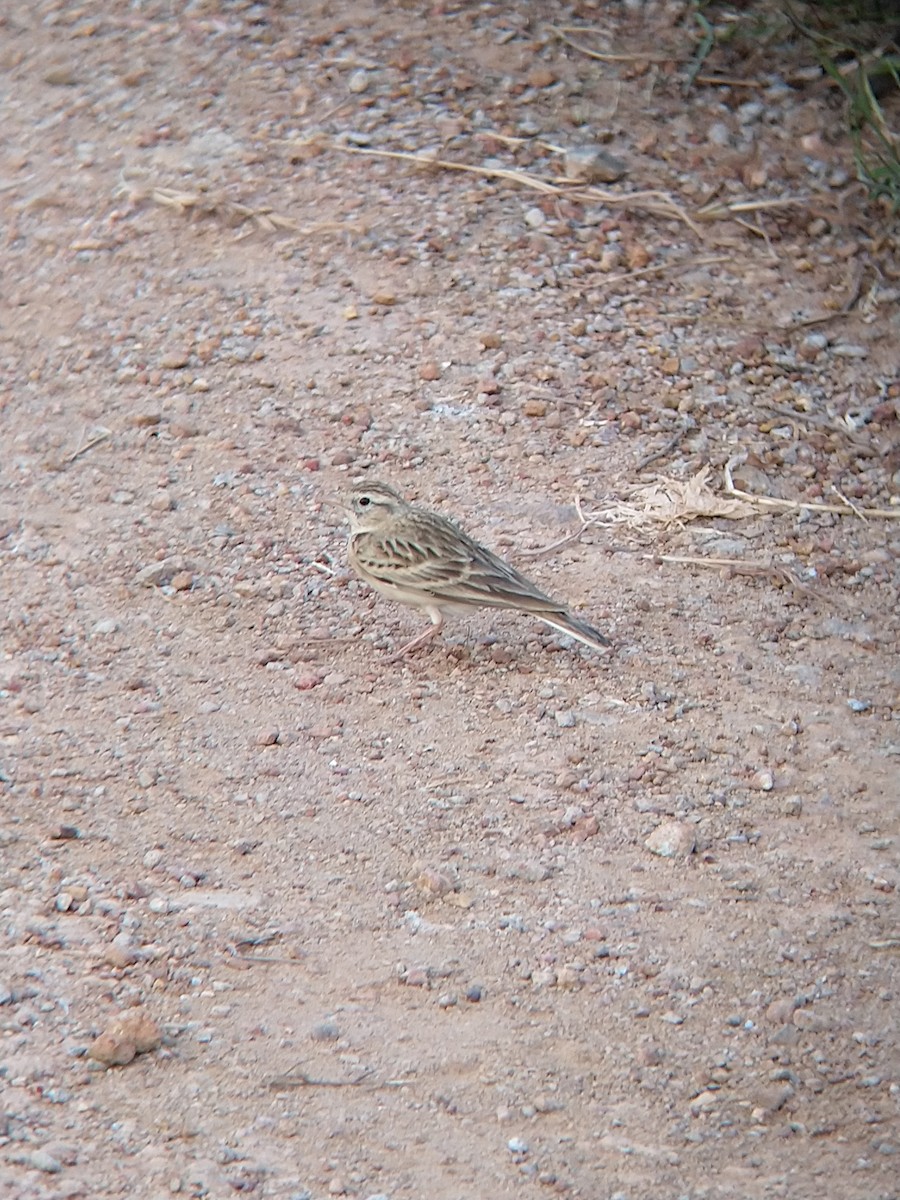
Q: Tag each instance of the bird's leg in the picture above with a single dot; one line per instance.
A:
(437, 618)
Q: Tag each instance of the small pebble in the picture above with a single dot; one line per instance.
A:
(42, 1161)
(858, 706)
(719, 134)
(671, 839)
(593, 164)
(325, 1031)
(125, 1037)
(816, 341)
(358, 82)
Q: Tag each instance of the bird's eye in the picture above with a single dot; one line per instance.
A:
(364, 502)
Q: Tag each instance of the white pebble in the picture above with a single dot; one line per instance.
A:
(43, 1161)
(358, 82)
(719, 134)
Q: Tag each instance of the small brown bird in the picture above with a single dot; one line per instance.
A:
(422, 558)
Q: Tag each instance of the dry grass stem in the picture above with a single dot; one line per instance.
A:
(727, 81)
(844, 510)
(211, 204)
(854, 507)
(665, 502)
(779, 575)
(567, 540)
(720, 209)
(99, 435)
(660, 203)
(563, 31)
(433, 162)
(662, 268)
(296, 1079)
(672, 502)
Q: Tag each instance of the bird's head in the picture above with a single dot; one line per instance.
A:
(372, 506)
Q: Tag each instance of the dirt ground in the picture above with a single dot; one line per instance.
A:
(511, 918)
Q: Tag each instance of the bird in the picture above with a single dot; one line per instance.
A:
(424, 559)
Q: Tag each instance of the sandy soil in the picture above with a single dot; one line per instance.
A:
(406, 931)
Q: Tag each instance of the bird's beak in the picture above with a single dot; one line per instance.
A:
(335, 502)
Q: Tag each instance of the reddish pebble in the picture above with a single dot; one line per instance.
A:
(429, 371)
(126, 1036)
(535, 408)
(541, 77)
(586, 828)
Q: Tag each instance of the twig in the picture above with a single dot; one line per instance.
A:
(586, 523)
(845, 308)
(664, 450)
(562, 32)
(795, 505)
(727, 81)
(738, 566)
(269, 959)
(296, 1079)
(100, 435)
(661, 268)
(855, 507)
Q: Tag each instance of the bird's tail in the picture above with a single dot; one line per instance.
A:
(565, 622)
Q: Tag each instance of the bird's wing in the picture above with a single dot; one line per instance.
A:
(403, 560)
(494, 583)
(490, 581)
(443, 562)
